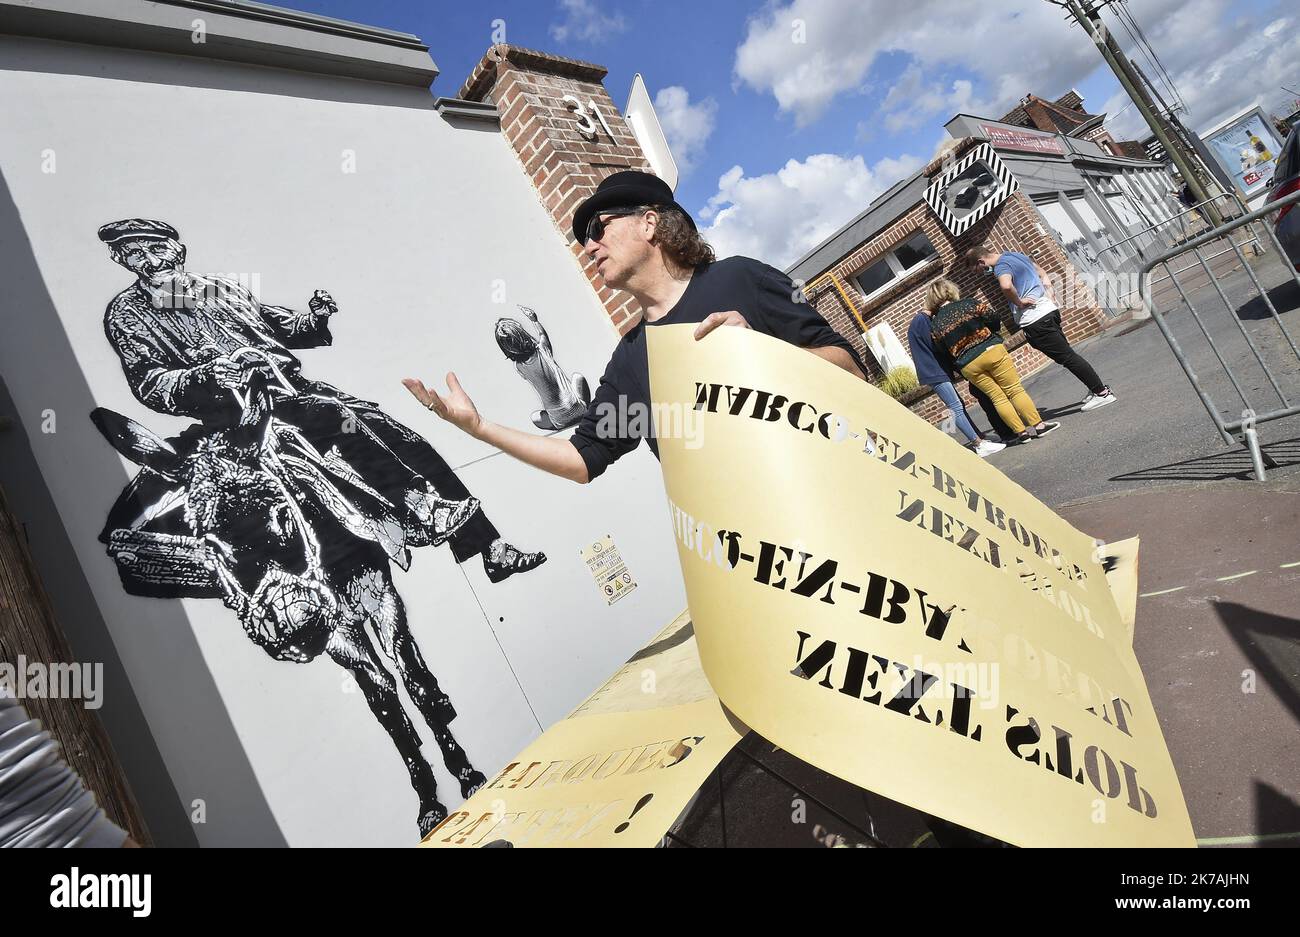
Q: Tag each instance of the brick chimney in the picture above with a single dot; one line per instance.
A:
(566, 148)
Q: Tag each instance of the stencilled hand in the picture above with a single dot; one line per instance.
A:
(322, 304)
(232, 374)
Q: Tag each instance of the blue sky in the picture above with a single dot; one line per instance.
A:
(787, 130)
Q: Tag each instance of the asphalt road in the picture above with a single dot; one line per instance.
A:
(1158, 432)
(1219, 644)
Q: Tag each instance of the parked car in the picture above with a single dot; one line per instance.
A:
(1286, 181)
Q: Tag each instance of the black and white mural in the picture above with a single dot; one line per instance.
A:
(287, 498)
(564, 397)
(286, 553)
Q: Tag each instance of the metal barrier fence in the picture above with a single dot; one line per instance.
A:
(1177, 230)
(1126, 255)
(1251, 417)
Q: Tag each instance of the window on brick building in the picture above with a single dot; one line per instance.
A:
(877, 276)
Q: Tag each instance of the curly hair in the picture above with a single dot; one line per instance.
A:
(678, 239)
(941, 292)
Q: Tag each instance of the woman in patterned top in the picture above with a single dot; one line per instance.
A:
(967, 330)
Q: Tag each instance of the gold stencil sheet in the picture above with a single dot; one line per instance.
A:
(879, 601)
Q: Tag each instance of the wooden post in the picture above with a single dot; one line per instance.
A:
(28, 627)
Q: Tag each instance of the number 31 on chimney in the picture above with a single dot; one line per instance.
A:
(585, 123)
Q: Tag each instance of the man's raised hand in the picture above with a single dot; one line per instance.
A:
(730, 317)
(455, 406)
(322, 303)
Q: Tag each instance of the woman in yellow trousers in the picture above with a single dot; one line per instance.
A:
(966, 330)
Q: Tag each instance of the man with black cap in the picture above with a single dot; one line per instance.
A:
(645, 243)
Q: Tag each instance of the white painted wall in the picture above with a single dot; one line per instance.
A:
(247, 164)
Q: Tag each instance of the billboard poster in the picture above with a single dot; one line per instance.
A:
(1247, 149)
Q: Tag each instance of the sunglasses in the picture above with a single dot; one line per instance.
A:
(596, 226)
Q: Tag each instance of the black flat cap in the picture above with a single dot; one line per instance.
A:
(136, 228)
(627, 189)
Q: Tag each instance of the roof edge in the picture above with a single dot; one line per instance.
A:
(873, 205)
(484, 76)
(237, 31)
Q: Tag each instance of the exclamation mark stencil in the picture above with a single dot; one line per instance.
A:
(639, 804)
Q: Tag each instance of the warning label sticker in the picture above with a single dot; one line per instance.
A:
(608, 569)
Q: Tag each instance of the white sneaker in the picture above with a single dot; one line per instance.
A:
(985, 448)
(1093, 401)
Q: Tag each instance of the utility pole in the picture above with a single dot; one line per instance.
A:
(1190, 141)
(1203, 187)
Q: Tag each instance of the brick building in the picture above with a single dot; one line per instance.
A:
(568, 134)
(836, 291)
(1066, 115)
(1079, 211)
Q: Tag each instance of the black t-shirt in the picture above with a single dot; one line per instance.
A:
(762, 294)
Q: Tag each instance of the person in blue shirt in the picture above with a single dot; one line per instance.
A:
(1026, 287)
(933, 367)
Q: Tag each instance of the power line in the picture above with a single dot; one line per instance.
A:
(1139, 41)
(1133, 37)
(1087, 13)
(1115, 116)
(1139, 47)
(1134, 29)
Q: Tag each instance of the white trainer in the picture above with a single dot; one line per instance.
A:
(1093, 401)
(985, 448)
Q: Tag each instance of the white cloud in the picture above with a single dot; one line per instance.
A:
(687, 126)
(779, 216)
(984, 58)
(834, 56)
(1012, 47)
(912, 101)
(584, 21)
(1218, 71)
